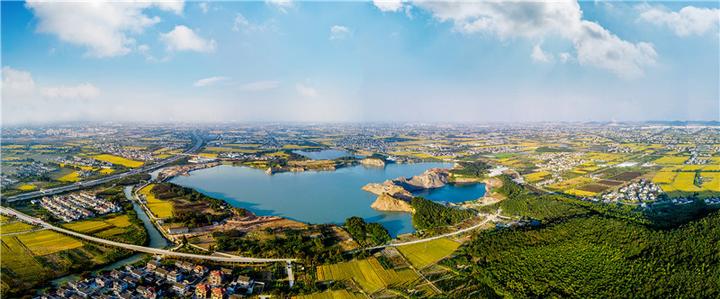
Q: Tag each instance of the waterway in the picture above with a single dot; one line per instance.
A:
(317, 196)
(156, 240)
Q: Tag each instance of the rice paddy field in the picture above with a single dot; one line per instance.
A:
(117, 160)
(536, 176)
(425, 254)
(369, 274)
(46, 242)
(14, 227)
(27, 187)
(159, 208)
(332, 294)
(671, 160)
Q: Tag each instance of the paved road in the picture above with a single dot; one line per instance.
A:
(143, 249)
(490, 217)
(86, 184)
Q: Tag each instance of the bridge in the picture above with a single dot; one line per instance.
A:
(91, 183)
(142, 249)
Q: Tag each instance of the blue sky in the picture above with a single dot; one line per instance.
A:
(360, 61)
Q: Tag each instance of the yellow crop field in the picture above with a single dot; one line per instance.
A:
(107, 170)
(368, 273)
(684, 181)
(119, 221)
(47, 242)
(70, 177)
(425, 254)
(331, 294)
(664, 177)
(160, 208)
(27, 187)
(581, 193)
(17, 258)
(711, 181)
(15, 227)
(568, 184)
(118, 160)
(536, 176)
(208, 155)
(88, 226)
(671, 160)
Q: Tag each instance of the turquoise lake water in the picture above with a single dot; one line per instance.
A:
(317, 196)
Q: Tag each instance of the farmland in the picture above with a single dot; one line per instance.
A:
(425, 254)
(70, 177)
(159, 208)
(47, 242)
(368, 273)
(118, 228)
(334, 294)
(117, 160)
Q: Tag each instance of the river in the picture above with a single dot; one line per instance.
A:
(156, 240)
(318, 196)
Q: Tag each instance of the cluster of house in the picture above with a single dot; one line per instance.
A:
(6, 181)
(559, 162)
(81, 161)
(77, 206)
(157, 280)
(124, 151)
(617, 148)
(639, 191)
(33, 169)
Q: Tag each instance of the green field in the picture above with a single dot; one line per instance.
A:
(425, 254)
(367, 273)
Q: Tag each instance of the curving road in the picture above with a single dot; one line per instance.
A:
(490, 217)
(91, 183)
(137, 248)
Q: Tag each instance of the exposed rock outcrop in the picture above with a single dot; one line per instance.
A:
(431, 178)
(385, 202)
(373, 162)
(388, 187)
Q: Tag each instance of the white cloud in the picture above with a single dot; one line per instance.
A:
(306, 91)
(595, 46)
(209, 81)
(259, 85)
(105, 28)
(240, 22)
(564, 57)
(282, 5)
(182, 38)
(687, 21)
(388, 5)
(82, 91)
(538, 55)
(16, 83)
(339, 32)
(204, 6)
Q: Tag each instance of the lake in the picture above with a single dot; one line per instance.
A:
(326, 154)
(316, 196)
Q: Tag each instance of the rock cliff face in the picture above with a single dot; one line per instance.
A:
(373, 162)
(385, 202)
(431, 178)
(388, 187)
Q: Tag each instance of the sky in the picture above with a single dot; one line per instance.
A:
(349, 61)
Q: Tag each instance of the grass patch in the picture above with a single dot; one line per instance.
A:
(425, 254)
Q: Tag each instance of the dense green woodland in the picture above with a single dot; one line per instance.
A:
(429, 214)
(590, 250)
(366, 234)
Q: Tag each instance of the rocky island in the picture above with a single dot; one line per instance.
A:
(395, 195)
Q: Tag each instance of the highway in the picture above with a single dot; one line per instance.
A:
(86, 184)
(137, 248)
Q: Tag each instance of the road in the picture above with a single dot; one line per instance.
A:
(137, 248)
(86, 184)
(489, 217)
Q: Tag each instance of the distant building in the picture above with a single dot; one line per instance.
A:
(215, 278)
(201, 291)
